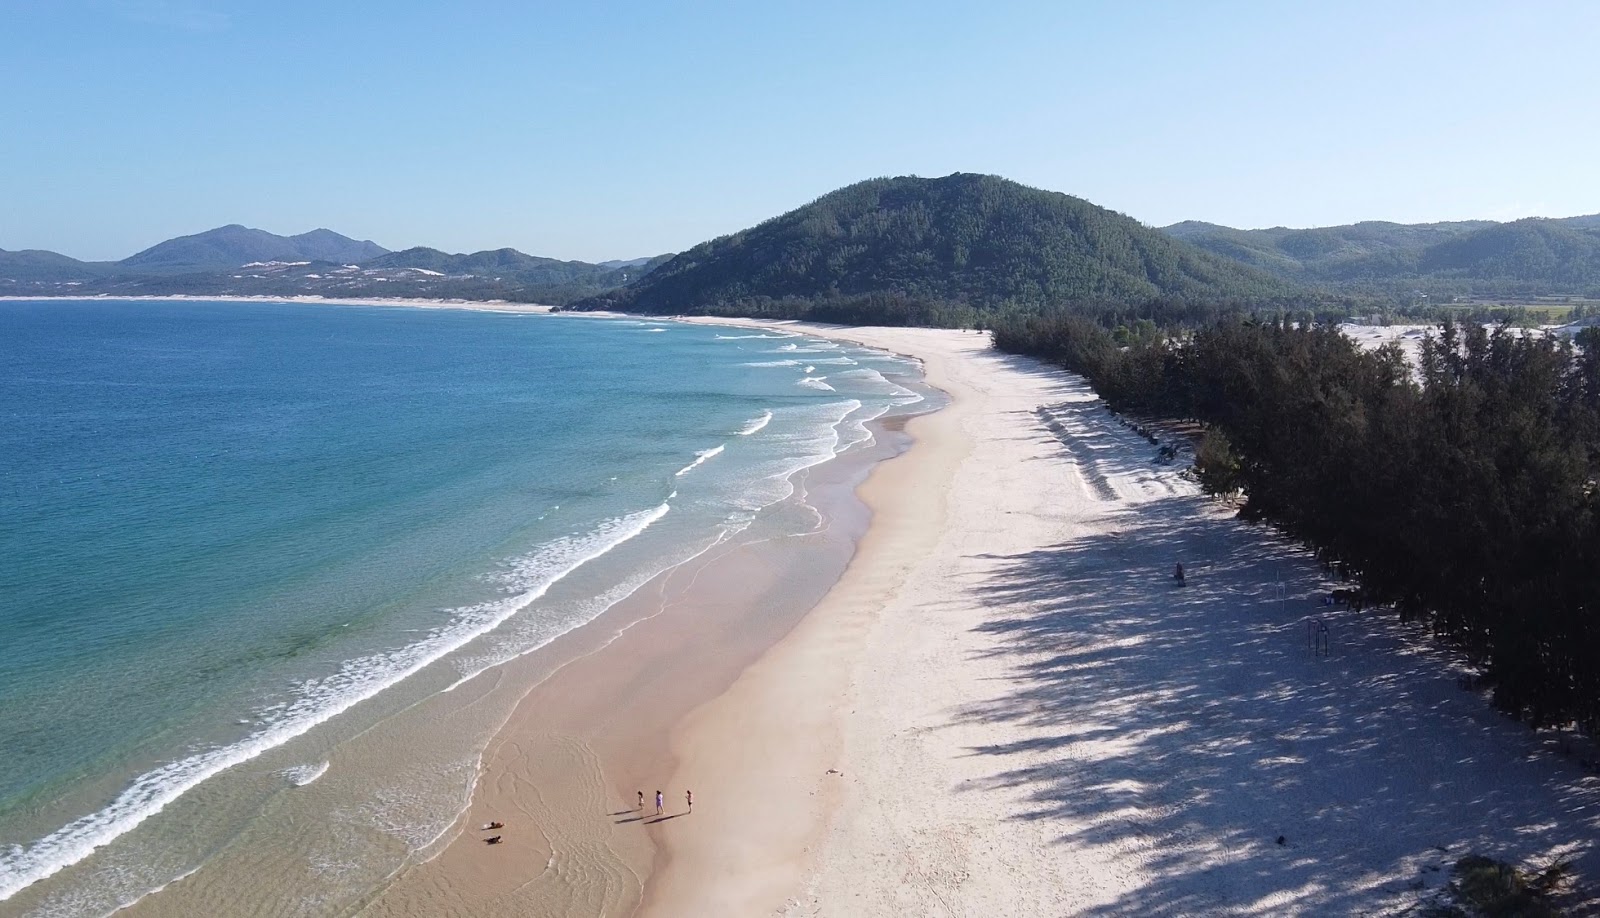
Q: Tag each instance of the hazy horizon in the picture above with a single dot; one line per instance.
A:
(597, 135)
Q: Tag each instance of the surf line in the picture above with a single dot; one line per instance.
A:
(699, 458)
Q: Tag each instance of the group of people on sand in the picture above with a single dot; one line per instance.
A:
(661, 809)
(688, 798)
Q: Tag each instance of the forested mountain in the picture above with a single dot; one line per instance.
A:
(497, 263)
(46, 266)
(1527, 257)
(234, 245)
(971, 241)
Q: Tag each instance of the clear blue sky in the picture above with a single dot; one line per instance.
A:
(613, 130)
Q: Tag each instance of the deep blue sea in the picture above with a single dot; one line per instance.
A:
(223, 524)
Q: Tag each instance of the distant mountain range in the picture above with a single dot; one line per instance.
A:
(962, 241)
(238, 260)
(905, 247)
(234, 245)
(1532, 257)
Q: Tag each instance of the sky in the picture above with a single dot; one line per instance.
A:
(617, 130)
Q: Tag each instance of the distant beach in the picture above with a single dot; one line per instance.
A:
(478, 305)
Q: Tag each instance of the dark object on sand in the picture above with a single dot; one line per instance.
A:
(492, 840)
(492, 825)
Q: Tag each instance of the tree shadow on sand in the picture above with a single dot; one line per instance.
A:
(1196, 725)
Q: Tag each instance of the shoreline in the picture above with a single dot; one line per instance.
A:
(577, 743)
(775, 738)
(306, 299)
(1003, 708)
(184, 894)
(999, 704)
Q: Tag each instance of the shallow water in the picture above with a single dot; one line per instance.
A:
(234, 537)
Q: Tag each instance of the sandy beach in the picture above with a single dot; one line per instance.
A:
(967, 684)
(1007, 707)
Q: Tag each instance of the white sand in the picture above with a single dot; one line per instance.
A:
(1031, 719)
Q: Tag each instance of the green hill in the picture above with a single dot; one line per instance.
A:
(1531, 257)
(495, 262)
(40, 265)
(1534, 251)
(973, 241)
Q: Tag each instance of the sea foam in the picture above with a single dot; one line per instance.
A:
(318, 700)
(699, 458)
(756, 424)
(301, 775)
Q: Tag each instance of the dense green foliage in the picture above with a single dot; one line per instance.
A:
(953, 245)
(1482, 887)
(1530, 257)
(1463, 493)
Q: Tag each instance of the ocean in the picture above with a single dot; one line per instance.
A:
(234, 537)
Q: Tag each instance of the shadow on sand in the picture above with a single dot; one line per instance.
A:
(1196, 725)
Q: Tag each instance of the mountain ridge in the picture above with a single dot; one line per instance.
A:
(236, 260)
(234, 245)
(1532, 256)
(964, 241)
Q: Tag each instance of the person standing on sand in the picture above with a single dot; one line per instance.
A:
(688, 797)
(641, 801)
(659, 798)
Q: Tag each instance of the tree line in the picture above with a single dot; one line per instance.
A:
(1461, 489)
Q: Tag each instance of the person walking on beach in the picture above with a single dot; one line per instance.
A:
(641, 801)
(659, 800)
(688, 797)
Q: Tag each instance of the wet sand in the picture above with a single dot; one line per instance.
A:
(564, 771)
(1004, 706)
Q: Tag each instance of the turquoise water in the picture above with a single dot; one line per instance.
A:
(222, 525)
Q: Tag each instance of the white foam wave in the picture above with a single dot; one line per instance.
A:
(318, 700)
(855, 432)
(699, 457)
(811, 347)
(773, 363)
(743, 337)
(816, 382)
(815, 439)
(535, 633)
(756, 424)
(901, 395)
(655, 330)
(301, 775)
